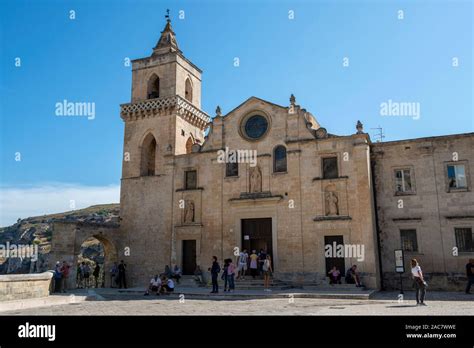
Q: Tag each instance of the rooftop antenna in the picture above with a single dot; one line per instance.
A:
(379, 136)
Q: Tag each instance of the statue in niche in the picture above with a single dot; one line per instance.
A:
(255, 180)
(189, 211)
(332, 204)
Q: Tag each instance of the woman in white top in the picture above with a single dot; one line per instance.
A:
(419, 283)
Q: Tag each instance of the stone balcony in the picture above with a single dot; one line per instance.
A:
(165, 106)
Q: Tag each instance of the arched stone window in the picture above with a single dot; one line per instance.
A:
(148, 156)
(188, 90)
(153, 87)
(189, 145)
(279, 159)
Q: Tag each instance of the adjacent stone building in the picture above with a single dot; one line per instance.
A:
(266, 176)
(425, 205)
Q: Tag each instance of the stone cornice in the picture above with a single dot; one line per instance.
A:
(164, 106)
(332, 218)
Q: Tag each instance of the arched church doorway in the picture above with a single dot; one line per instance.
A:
(96, 258)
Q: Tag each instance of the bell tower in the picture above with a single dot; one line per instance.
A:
(164, 119)
(166, 101)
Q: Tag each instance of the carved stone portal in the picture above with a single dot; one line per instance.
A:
(332, 203)
(189, 211)
(255, 180)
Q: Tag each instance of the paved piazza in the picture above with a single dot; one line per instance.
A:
(382, 304)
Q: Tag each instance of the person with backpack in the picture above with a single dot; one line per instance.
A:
(215, 269)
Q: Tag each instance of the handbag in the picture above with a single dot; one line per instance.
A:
(420, 282)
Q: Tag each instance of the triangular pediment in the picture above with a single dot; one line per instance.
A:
(253, 100)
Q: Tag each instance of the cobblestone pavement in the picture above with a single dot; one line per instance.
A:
(386, 303)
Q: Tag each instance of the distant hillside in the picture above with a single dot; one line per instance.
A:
(37, 230)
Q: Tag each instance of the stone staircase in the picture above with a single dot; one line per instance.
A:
(257, 284)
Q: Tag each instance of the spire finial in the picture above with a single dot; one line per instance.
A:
(292, 99)
(168, 38)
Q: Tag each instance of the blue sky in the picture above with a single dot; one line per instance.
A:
(82, 60)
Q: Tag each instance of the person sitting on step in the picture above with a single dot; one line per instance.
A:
(334, 276)
(154, 286)
(352, 276)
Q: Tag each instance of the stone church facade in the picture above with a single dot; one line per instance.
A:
(304, 189)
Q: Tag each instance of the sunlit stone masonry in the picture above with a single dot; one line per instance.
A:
(267, 176)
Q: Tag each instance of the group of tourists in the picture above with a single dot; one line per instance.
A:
(163, 283)
(254, 262)
(83, 276)
(257, 263)
(160, 285)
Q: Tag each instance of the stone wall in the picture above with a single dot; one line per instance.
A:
(24, 286)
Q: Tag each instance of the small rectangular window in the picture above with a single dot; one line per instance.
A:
(408, 239)
(464, 239)
(403, 181)
(457, 176)
(330, 168)
(191, 179)
(231, 169)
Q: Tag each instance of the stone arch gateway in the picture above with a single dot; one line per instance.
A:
(68, 236)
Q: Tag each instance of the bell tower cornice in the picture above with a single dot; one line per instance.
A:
(165, 106)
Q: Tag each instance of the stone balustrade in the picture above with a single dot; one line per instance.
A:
(152, 107)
